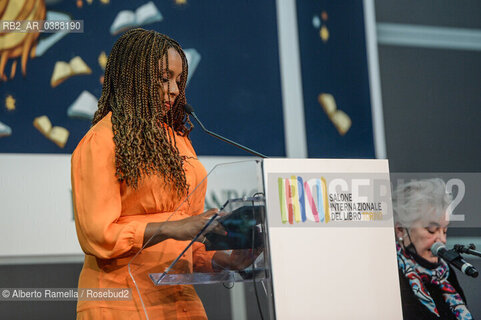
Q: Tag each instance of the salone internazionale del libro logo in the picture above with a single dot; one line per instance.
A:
(317, 200)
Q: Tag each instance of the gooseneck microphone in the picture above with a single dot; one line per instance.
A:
(188, 108)
(454, 259)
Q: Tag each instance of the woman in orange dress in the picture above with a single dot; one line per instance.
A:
(130, 176)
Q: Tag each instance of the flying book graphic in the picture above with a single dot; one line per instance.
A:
(102, 59)
(193, 59)
(10, 102)
(5, 130)
(83, 107)
(46, 43)
(58, 135)
(64, 70)
(339, 118)
(126, 19)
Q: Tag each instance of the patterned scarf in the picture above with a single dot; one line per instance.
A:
(417, 276)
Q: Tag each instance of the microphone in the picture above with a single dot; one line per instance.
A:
(188, 108)
(454, 259)
(469, 250)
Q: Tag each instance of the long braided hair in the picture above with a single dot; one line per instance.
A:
(133, 92)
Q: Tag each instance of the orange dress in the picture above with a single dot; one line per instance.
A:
(111, 218)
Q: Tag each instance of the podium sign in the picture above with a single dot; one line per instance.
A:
(331, 236)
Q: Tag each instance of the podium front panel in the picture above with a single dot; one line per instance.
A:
(331, 236)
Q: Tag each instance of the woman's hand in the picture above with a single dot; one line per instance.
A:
(182, 230)
(188, 228)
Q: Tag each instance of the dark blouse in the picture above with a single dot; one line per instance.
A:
(413, 309)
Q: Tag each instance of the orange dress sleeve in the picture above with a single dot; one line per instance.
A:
(97, 200)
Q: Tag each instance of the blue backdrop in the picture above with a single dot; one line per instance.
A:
(339, 67)
(235, 88)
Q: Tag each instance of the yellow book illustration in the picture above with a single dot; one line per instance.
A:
(328, 103)
(58, 135)
(341, 121)
(339, 118)
(10, 103)
(324, 33)
(102, 60)
(43, 125)
(64, 70)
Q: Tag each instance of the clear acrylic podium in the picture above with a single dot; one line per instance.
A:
(237, 234)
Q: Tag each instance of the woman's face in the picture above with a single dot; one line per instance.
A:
(423, 235)
(170, 79)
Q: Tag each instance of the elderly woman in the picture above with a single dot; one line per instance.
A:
(429, 288)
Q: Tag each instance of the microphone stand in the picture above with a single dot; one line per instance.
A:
(190, 110)
(469, 250)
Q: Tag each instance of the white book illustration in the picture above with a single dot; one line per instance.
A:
(126, 19)
(5, 130)
(45, 44)
(83, 107)
(193, 59)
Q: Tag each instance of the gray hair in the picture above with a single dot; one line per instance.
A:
(423, 200)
